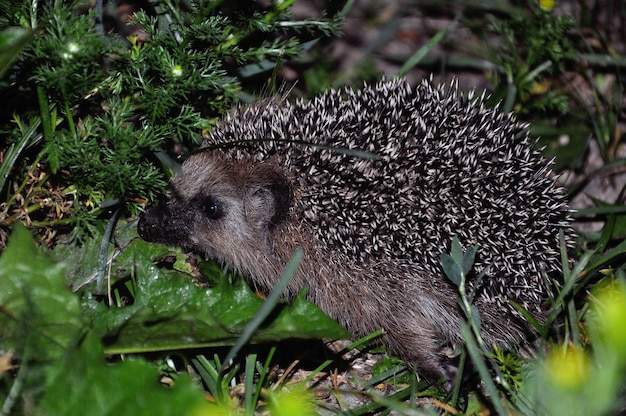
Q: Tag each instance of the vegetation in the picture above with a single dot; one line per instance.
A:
(99, 106)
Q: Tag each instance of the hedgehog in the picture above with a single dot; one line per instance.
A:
(373, 185)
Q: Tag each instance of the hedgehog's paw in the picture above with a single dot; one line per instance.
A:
(439, 368)
(449, 372)
(432, 364)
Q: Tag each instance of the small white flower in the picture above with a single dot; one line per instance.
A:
(177, 70)
(73, 47)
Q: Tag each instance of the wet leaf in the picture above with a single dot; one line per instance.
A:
(39, 315)
(83, 380)
(170, 311)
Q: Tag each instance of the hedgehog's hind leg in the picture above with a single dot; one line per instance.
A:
(424, 353)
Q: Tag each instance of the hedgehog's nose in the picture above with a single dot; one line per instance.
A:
(153, 225)
(147, 228)
(167, 223)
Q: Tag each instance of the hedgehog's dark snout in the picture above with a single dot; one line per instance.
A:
(149, 225)
(164, 224)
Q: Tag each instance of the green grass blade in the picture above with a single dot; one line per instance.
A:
(479, 365)
(421, 53)
(12, 41)
(266, 308)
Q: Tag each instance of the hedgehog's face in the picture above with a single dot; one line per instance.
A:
(225, 210)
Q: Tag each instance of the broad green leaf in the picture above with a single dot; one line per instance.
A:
(468, 259)
(38, 313)
(81, 261)
(456, 251)
(451, 268)
(170, 311)
(83, 383)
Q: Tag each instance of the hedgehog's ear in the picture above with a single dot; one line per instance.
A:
(268, 196)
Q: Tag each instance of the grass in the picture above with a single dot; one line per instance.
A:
(93, 131)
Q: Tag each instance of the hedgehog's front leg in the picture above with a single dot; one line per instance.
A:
(417, 315)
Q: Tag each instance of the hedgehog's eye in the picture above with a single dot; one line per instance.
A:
(212, 209)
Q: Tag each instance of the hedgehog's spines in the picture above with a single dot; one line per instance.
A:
(431, 130)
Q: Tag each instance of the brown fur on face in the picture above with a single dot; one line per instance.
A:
(228, 217)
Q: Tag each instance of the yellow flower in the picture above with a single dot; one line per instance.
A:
(611, 308)
(567, 369)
